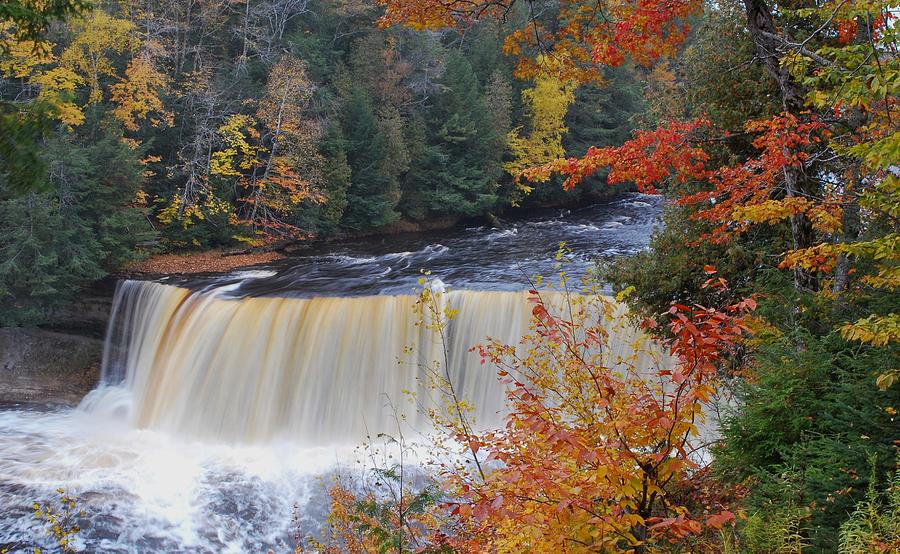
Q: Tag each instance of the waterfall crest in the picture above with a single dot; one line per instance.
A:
(322, 370)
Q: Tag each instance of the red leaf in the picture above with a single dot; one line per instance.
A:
(718, 520)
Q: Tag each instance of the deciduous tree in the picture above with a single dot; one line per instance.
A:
(274, 155)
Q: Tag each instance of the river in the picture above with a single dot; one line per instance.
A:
(228, 400)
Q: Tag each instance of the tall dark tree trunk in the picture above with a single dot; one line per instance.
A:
(762, 29)
(851, 226)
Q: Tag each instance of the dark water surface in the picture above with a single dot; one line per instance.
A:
(477, 258)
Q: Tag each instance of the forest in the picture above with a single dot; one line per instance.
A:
(190, 126)
(133, 128)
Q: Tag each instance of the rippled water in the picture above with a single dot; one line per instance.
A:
(149, 491)
(477, 258)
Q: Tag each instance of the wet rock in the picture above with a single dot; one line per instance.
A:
(38, 366)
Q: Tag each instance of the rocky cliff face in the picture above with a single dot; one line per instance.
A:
(60, 362)
(38, 366)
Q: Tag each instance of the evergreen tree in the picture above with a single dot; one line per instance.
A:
(84, 225)
(412, 202)
(337, 181)
(806, 429)
(601, 116)
(458, 170)
(373, 191)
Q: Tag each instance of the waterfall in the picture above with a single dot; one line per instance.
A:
(322, 370)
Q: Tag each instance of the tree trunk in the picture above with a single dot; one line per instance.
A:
(851, 228)
(762, 29)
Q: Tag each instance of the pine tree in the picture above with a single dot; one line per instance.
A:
(462, 164)
(338, 177)
(373, 191)
(83, 225)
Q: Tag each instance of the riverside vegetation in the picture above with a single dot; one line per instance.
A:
(772, 128)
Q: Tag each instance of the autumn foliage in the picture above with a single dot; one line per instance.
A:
(594, 445)
(738, 196)
(591, 450)
(591, 35)
(650, 158)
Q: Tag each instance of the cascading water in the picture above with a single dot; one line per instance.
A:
(326, 370)
(226, 402)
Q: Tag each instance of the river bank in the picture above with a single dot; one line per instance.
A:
(222, 260)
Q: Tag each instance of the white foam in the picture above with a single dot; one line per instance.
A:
(253, 274)
(500, 234)
(152, 488)
(582, 228)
